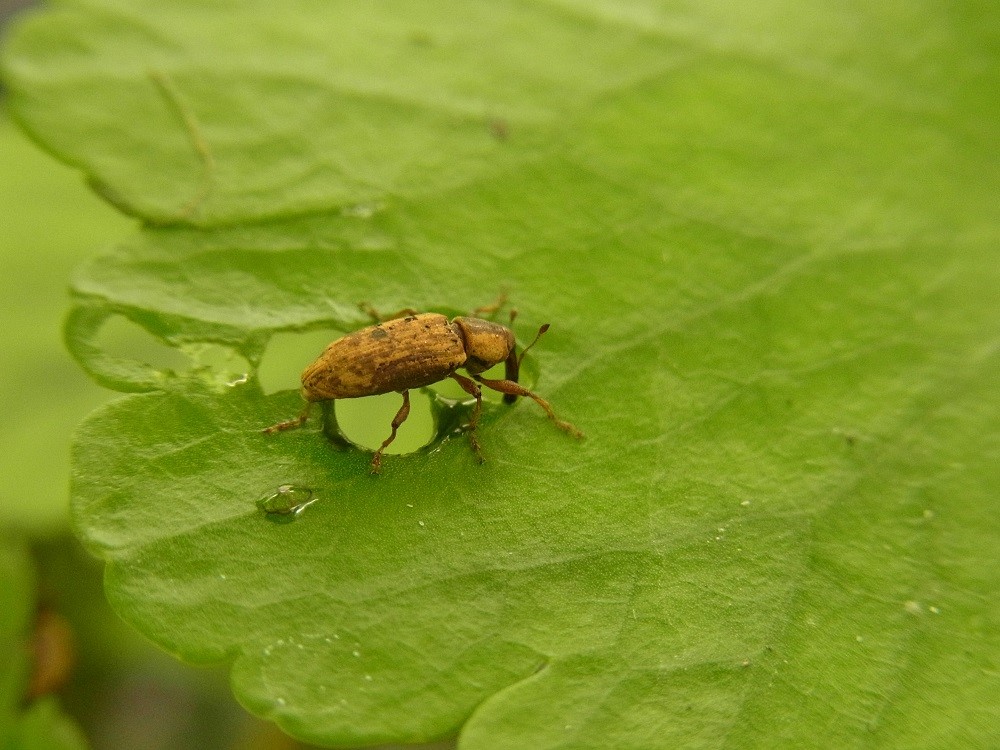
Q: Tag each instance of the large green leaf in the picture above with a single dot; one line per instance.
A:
(765, 238)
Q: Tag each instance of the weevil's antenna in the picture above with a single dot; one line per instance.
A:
(512, 370)
(538, 335)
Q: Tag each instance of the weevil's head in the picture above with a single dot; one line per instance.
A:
(486, 344)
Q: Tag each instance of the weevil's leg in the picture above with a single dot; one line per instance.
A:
(512, 372)
(469, 386)
(494, 307)
(401, 415)
(378, 317)
(512, 365)
(290, 424)
(511, 388)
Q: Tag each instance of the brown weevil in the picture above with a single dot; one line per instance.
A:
(413, 351)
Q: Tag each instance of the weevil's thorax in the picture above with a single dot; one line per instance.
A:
(486, 343)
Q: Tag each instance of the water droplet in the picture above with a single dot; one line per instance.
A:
(288, 500)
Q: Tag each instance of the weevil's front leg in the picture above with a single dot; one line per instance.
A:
(401, 415)
(512, 365)
(290, 424)
(476, 392)
(511, 388)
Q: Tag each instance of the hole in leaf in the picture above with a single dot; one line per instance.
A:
(120, 337)
(366, 422)
(287, 355)
(219, 364)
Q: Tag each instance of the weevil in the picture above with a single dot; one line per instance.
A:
(412, 351)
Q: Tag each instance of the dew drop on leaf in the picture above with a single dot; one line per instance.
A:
(288, 500)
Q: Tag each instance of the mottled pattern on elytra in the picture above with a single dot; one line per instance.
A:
(396, 355)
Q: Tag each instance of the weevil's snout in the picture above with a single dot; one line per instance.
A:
(486, 343)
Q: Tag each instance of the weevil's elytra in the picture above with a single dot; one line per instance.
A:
(413, 352)
(396, 355)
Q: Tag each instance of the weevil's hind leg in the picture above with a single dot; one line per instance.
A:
(378, 317)
(290, 424)
(401, 415)
(509, 387)
(469, 386)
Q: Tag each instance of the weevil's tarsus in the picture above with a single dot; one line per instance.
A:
(494, 307)
(378, 317)
(470, 387)
(290, 424)
(401, 415)
(511, 388)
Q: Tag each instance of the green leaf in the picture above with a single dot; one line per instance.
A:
(342, 103)
(765, 239)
